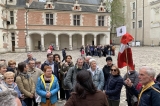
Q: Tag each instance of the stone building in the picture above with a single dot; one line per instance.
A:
(142, 20)
(28, 25)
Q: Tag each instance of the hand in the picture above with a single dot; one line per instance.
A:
(48, 94)
(31, 96)
(22, 96)
(66, 63)
(128, 82)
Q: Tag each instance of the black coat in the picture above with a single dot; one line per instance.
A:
(106, 71)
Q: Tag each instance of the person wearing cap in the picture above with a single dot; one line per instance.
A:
(97, 74)
(106, 69)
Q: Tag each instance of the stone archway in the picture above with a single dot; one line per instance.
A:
(101, 39)
(76, 41)
(63, 40)
(89, 39)
(49, 39)
(34, 42)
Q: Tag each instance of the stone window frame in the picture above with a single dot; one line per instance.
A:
(101, 20)
(133, 15)
(76, 20)
(12, 17)
(49, 18)
(140, 24)
(133, 25)
(133, 5)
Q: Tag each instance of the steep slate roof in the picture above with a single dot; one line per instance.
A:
(94, 2)
(68, 7)
(21, 3)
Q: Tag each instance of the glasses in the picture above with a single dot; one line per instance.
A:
(113, 70)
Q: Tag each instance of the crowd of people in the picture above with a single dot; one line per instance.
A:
(99, 50)
(82, 83)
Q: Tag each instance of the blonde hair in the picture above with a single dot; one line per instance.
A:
(10, 62)
(7, 74)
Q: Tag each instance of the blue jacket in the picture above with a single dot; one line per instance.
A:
(41, 89)
(98, 78)
(150, 97)
(114, 86)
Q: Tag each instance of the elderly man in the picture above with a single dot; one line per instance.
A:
(149, 95)
(30, 57)
(70, 79)
(86, 63)
(9, 98)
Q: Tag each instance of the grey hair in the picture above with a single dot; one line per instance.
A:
(90, 57)
(7, 98)
(92, 60)
(80, 58)
(3, 64)
(150, 71)
(29, 53)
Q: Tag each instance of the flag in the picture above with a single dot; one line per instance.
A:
(125, 52)
(121, 31)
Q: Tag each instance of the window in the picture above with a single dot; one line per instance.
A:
(12, 36)
(133, 15)
(49, 19)
(11, 17)
(133, 24)
(76, 20)
(100, 20)
(3, 38)
(134, 6)
(140, 23)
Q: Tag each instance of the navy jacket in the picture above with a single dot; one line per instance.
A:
(55, 68)
(114, 86)
(150, 97)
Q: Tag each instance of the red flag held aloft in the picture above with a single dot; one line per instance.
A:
(125, 50)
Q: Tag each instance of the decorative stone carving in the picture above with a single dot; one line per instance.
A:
(156, 9)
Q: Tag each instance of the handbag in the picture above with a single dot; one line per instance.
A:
(134, 99)
(38, 98)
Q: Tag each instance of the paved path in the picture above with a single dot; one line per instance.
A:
(141, 56)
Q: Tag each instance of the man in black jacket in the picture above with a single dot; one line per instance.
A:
(50, 62)
(106, 69)
(64, 53)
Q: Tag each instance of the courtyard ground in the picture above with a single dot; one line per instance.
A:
(149, 56)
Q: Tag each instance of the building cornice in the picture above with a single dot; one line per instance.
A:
(154, 2)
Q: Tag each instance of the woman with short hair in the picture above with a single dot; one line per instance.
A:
(3, 69)
(114, 86)
(47, 87)
(86, 94)
(12, 67)
(97, 74)
(25, 83)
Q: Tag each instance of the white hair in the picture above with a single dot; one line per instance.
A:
(7, 98)
(90, 57)
(150, 71)
(92, 60)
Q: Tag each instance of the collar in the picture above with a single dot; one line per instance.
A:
(49, 62)
(144, 89)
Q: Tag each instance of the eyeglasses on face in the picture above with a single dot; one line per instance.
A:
(113, 70)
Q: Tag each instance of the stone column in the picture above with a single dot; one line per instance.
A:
(42, 43)
(70, 42)
(83, 41)
(27, 45)
(57, 43)
(95, 40)
(107, 40)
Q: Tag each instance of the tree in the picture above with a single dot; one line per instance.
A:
(116, 9)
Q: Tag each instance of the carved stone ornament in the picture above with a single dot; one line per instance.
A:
(156, 9)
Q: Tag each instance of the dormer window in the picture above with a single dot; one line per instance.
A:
(49, 5)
